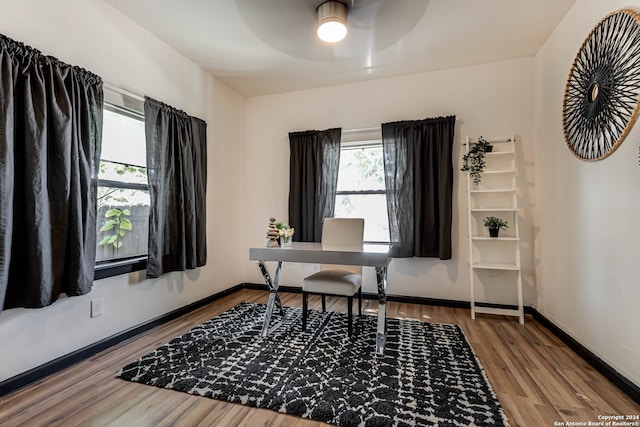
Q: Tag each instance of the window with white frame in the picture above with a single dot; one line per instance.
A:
(361, 190)
(123, 192)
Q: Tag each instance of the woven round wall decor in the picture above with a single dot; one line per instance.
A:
(603, 89)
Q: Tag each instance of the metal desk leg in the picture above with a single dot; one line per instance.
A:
(273, 297)
(381, 336)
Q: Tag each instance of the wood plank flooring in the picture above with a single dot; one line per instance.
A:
(538, 380)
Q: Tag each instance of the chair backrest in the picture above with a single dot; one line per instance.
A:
(341, 232)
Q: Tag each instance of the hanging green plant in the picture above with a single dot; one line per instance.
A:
(473, 161)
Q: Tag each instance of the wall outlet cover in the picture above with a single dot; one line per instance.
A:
(97, 307)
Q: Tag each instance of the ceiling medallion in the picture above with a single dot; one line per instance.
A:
(603, 89)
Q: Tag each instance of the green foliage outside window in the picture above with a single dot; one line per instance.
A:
(368, 163)
(118, 225)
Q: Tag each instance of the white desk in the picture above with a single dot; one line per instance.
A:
(314, 253)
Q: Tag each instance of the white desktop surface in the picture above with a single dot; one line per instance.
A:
(316, 253)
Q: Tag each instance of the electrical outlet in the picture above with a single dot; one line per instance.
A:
(97, 307)
(493, 273)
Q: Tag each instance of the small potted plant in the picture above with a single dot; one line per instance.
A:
(286, 234)
(473, 161)
(494, 225)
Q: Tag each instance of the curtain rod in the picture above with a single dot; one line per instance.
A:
(123, 91)
(361, 130)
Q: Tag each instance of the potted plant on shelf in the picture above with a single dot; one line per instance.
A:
(473, 161)
(494, 225)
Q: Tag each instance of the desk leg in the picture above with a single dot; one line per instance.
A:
(381, 336)
(274, 299)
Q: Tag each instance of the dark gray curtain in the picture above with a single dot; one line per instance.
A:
(50, 140)
(177, 172)
(313, 178)
(418, 173)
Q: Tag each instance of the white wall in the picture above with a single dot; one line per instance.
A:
(491, 100)
(588, 233)
(91, 34)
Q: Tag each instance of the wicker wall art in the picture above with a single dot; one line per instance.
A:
(603, 89)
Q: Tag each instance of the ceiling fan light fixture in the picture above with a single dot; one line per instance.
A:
(332, 21)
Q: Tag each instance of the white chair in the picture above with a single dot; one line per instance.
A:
(340, 280)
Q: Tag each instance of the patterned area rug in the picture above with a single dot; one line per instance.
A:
(428, 377)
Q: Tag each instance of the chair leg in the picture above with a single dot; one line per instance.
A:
(360, 301)
(304, 311)
(324, 304)
(349, 314)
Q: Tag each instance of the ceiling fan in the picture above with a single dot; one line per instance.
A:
(290, 26)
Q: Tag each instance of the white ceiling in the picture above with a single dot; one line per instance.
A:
(269, 46)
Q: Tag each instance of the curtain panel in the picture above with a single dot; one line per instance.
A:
(177, 174)
(313, 179)
(50, 141)
(418, 172)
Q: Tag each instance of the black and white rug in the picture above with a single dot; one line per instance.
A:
(428, 377)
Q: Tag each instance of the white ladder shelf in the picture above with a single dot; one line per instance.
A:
(501, 163)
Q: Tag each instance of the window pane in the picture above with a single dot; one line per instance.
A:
(371, 207)
(361, 169)
(123, 139)
(123, 211)
(123, 223)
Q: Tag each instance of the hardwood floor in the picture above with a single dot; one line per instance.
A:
(538, 380)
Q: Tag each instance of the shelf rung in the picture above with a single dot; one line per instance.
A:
(506, 238)
(495, 266)
(499, 171)
(493, 141)
(493, 153)
(497, 190)
(500, 311)
(494, 210)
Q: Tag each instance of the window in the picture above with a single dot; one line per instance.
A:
(123, 195)
(361, 191)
